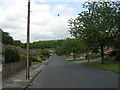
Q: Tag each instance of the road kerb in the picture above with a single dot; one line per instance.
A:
(30, 81)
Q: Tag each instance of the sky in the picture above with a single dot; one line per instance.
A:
(45, 24)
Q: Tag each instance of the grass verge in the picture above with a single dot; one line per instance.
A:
(35, 63)
(106, 66)
(75, 60)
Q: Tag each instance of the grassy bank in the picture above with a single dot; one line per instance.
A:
(106, 66)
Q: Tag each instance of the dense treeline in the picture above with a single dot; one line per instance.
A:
(46, 44)
(7, 39)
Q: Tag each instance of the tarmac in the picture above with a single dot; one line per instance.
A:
(19, 80)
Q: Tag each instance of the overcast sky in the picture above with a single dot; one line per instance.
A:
(45, 23)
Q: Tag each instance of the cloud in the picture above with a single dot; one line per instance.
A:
(71, 0)
(61, 0)
(45, 24)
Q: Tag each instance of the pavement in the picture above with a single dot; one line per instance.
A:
(83, 61)
(0, 67)
(61, 73)
(19, 80)
(0, 80)
(0, 76)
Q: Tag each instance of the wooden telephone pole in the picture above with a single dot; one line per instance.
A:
(28, 40)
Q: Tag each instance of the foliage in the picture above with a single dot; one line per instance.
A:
(39, 59)
(45, 53)
(0, 35)
(45, 44)
(97, 25)
(17, 43)
(60, 51)
(23, 57)
(115, 53)
(33, 59)
(6, 38)
(71, 46)
(11, 55)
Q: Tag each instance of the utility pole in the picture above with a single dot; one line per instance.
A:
(28, 40)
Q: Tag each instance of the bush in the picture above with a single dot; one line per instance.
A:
(11, 55)
(33, 59)
(38, 59)
(23, 57)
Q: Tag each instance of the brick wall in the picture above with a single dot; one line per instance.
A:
(12, 68)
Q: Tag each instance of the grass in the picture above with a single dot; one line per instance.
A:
(35, 63)
(75, 60)
(106, 66)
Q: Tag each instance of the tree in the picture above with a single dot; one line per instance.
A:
(6, 38)
(17, 43)
(72, 46)
(45, 53)
(96, 25)
(46, 44)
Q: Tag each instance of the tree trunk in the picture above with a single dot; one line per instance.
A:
(30, 62)
(74, 56)
(88, 59)
(102, 53)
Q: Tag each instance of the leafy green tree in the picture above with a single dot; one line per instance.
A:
(60, 50)
(6, 38)
(72, 46)
(96, 25)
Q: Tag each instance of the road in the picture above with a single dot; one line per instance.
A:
(63, 74)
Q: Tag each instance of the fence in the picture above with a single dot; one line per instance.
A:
(12, 68)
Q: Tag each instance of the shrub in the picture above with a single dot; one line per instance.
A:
(23, 57)
(39, 59)
(33, 59)
(11, 55)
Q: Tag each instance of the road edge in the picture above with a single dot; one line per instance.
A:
(30, 81)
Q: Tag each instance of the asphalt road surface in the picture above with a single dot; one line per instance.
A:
(60, 73)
